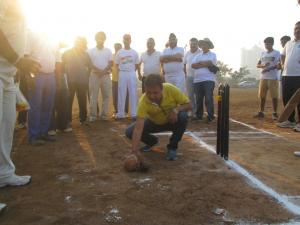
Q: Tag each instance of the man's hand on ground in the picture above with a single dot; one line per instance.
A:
(138, 155)
(142, 166)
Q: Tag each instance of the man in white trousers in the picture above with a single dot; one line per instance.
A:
(127, 61)
(12, 49)
(172, 60)
(102, 61)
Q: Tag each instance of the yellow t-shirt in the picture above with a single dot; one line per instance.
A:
(114, 71)
(159, 114)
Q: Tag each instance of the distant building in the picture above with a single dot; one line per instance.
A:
(249, 59)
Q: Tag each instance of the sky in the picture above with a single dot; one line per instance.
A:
(230, 25)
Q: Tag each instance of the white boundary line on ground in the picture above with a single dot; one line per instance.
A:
(254, 128)
(292, 197)
(231, 132)
(241, 138)
(282, 199)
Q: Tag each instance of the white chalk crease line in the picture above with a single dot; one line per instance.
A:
(282, 199)
(254, 128)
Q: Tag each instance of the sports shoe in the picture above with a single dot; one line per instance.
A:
(84, 123)
(68, 129)
(286, 124)
(2, 207)
(104, 118)
(259, 115)
(37, 142)
(15, 180)
(52, 132)
(274, 116)
(48, 138)
(147, 148)
(92, 119)
(297, 127)
(171, 155)
(119, 118)
(20, 126)
(196, 118)
(297, 154)
(210, 119)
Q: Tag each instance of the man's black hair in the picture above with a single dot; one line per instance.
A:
(117, 44)
(194, 40)
(269, 40)
(154, 80)
(285, 38)
(172, 35)
(151, 38)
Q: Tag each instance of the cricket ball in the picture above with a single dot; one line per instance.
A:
(131, 163)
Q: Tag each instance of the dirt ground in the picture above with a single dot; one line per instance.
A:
(79, 180)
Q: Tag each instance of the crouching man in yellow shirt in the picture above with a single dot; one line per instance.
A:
(163, 107)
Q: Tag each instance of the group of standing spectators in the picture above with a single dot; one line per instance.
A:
(87, 72)
(284, 67)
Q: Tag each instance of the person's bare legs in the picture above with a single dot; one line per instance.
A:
(275, 104)
(262, 104)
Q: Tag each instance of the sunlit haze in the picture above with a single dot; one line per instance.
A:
(231, 24)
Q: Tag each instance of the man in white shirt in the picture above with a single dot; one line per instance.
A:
(290, 59)
(41, 95)
(269, 64)
(189, 71)
(172, 60)
(150, 61)
(102, 61)
(204, 79)
(127, 61)
(12, 49)
(284, 39)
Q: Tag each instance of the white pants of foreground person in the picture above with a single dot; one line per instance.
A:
(104, 84)
(7, 124)
(177, 80)
(127, 80)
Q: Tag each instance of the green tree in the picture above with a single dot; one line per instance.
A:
(238, 75)
(224, 71)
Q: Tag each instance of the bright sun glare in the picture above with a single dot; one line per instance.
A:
(230, 24)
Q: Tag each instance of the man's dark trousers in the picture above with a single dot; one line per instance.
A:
(177, 128)
(289, 86)
(81, 91)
